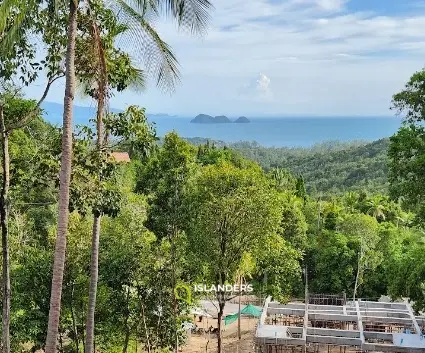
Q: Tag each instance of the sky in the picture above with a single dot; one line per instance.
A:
(288, 58)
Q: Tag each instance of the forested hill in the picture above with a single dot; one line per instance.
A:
(329, 167)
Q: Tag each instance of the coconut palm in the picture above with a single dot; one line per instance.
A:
(351, 200)
(376, 207)
(192, 14)
(406, 219)
(332, 211)
(97, 57)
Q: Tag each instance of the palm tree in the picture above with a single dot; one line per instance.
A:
(351, 200)
(332, 214)
(376, 207)
(192, 14)
(93, 58)
(16, 20)
(101, 81)
(64, 182)
(405, 219)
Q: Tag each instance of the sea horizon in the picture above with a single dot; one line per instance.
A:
(284, 131)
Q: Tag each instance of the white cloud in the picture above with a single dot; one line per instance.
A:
(331, 5)
(322, 59)
(258, 89)
(262, 83)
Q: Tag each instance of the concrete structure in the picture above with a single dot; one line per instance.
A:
(359, 326)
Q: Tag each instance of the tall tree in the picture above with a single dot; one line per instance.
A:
(189, 13)
(235, 210)
(18, 63)
(376, 207)
(65, 179)
(167, 178)
(407, 148)
(363, 229)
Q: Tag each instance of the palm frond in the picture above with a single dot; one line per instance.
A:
(146, 5)
(138, 81)
(12, 18)
(120, 29)
(191, 14)
(157, 55)
(7, 7)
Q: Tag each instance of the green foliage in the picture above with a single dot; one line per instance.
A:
(410, 101)
(326, 168)
(277, 271)
(131, 129)
(406, 151)
(235, 211)
(407, 165)
(332, 263)
(166, 178)
(17, 52)
(184, 214)
(120, 71)
(293, 226)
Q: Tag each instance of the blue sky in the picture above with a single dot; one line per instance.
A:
(289, 57)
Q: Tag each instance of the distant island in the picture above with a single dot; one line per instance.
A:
(221, 119)
(242, 120)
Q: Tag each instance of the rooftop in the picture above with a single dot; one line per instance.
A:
(120, 157)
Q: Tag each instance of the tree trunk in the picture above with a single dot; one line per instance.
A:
(220, 319)
(94, 265)
(83, 336)
(359, 264)
(94, 274)
(4, 205)
(148, 344)
(356, 284)
(65, 178)
(173, 274)
(239, 310)
(127, 328)
(74, 321)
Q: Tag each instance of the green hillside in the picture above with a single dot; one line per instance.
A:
(328, 167)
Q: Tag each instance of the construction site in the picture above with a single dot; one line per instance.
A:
(332, 324)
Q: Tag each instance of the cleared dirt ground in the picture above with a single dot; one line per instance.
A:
(208, 342)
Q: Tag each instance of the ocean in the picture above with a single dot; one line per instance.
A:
(270, 132)
(285, 132)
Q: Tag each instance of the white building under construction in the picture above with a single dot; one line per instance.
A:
(356, 326)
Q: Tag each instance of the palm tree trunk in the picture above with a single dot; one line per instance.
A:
(74, 321)
(94, 265)
(65, 178)
(4, 204)
(94, 274)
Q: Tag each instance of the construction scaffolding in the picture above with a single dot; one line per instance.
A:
(355, 326)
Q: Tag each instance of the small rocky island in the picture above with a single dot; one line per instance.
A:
(242, 120)
(221, 119)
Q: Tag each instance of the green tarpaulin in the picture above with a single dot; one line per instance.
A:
(250, 310)
(230, 318)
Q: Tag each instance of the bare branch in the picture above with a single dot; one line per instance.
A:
(30, 115)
